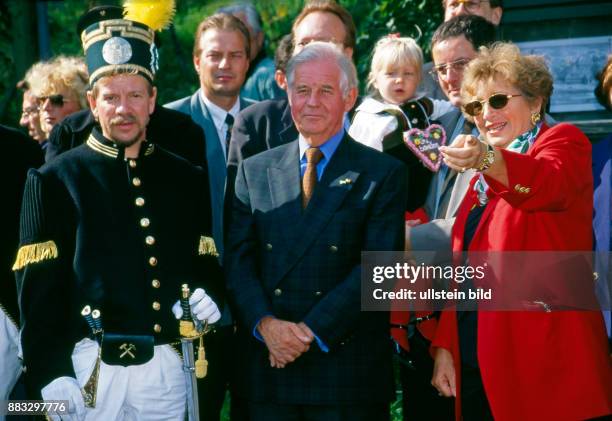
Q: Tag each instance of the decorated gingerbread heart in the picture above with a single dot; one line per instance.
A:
(425, 144)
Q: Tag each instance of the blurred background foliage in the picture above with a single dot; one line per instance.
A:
(176, 78)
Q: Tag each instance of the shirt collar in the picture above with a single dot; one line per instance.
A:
(217, 113)
(328, 148)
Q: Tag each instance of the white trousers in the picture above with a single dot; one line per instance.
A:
(152, 391)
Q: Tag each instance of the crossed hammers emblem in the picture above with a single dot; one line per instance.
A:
(127, 350)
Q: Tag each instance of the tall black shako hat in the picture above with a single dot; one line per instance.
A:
(118, 40)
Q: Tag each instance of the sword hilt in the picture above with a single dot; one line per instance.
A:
(187, 327)
(97, 320)
(86, 313)
(185, 294)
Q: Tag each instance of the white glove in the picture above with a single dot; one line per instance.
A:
(202, 307)
(66, 389)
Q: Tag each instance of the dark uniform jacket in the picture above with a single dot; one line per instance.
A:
(169, 129)
(305, 266)
(20, 153)
(118, 235)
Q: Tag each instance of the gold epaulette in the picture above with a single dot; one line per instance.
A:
(207, 247)
(34, 253)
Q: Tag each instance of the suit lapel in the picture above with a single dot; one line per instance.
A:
(285, 185)
(217, 171)
(289, 133)
(244, 103)
(338, 180)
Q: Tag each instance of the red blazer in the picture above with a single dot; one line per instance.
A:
(537, 365)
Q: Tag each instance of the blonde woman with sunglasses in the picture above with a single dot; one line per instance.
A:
(533, 193)
(59, 86)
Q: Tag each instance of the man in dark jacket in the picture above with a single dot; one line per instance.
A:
(116, 224)
(20, 154)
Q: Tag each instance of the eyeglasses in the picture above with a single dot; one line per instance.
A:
(441, 70)
(496, 101)
(470, 5)
(55, 100)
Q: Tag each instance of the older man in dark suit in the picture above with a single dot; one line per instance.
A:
(302, 214)
(268, 124)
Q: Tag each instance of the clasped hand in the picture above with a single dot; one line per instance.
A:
(285, 340)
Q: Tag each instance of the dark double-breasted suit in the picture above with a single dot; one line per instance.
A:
(304, 265)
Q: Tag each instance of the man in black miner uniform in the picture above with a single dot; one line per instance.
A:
(167, 128)
(118, 224)
(20, 153)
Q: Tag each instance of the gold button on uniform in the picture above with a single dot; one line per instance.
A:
(156, 306)
(144, 222)
(155, 283)
(268, 246)
(132, 163)
(333, 249)
(157, 328)
(136, 181)
(140, 201)
(150, 240)
(278, 292)
(318, 293)
(518, 187)
(152, 261)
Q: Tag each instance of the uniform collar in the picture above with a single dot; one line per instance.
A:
(101, 144)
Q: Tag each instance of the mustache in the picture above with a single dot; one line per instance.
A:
(122, 120)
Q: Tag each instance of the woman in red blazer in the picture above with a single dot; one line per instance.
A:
(534, 192)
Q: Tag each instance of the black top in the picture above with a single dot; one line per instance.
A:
(20, 154)
(468, 320)
(117, 234)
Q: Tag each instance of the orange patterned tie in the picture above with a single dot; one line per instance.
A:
(309, 181)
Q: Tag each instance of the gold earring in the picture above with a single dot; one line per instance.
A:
(536, 117)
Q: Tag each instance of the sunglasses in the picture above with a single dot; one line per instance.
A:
(496, 101)
(55, 100)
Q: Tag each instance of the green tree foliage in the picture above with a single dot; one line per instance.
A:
(413, 18)
(177, 78)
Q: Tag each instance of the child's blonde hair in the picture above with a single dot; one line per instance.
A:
(393, 51)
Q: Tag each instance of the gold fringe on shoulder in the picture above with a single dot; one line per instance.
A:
(34, 253)
(207, 247)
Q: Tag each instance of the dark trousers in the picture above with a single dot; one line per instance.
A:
(474, 403)
(274, 412)
(420, 400)
(212, 388)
